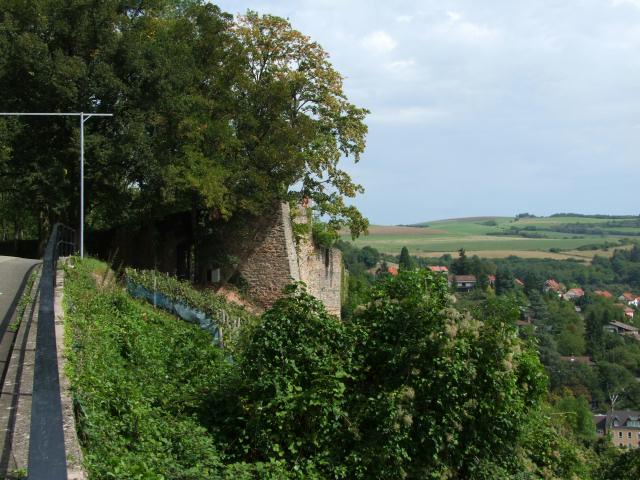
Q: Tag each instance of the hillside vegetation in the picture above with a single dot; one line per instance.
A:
(434, 394)
(558, 237)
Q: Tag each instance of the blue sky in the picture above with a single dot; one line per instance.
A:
(489, 107)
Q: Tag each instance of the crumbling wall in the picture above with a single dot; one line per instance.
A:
(320, 269)
(272, 262)
(275, 260)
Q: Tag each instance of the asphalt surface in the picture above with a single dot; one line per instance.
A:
(13, 273)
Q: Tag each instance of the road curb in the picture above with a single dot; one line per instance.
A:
(75, 469)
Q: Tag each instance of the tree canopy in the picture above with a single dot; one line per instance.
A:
(213, 115)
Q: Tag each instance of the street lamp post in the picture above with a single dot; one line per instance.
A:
(83, 118)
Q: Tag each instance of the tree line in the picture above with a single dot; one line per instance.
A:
(213, 115)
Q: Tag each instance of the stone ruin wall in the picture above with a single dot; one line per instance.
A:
(275, 262)
(321, 270)
(272, 263)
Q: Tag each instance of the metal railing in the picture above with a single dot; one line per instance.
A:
(47, 458)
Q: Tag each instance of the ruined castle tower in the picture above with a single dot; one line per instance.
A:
(278, 258)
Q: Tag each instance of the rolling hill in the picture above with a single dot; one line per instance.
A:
(557, 236)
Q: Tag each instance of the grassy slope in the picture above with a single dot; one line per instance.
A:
(471, 234)
(141, 380)
(137, 377)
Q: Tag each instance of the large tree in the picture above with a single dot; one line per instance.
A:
(213, 116)
(295, 123)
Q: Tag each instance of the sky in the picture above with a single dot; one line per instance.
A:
(492, 107)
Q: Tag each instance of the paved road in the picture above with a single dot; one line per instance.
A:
(13, 272)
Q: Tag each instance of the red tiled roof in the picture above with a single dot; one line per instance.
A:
(628, 296)
(603, 293)
(578, 292)
(492, 278)
(551, 284)
(393, 270)
(438, 268)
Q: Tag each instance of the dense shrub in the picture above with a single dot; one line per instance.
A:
(408, 388)
(138, 379)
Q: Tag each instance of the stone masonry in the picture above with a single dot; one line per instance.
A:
(276, 260)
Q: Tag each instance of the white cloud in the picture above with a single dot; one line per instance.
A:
(404, 18)
(635, 3)
(402, 64)
(454, 16)
(465, 31)
(379, 41)
(472, 32)
(415, 115)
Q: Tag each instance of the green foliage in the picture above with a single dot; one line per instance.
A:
(322, 235)
(577, 416)
(358, 262)
(405, 262)
(504, 281)
(424, 367)
(409, 387)
(296, 370)
(620, 465)
(461, 265)
(138, 378)
(568, 327)
(233, 320)
(549, 452)
(214, 116)
(370, 257)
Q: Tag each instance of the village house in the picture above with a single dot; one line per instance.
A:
(622, 329)
(491, 280)
(465, 283)
(628, 311)
(603, 293)
(552, 286)
(623, 425)
(518, 282)
(574, 294)
(629, 299)
(439, 269)
(393, 271)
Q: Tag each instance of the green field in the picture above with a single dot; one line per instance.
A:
(504, 236)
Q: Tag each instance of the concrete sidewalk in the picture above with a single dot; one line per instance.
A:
(19, 349)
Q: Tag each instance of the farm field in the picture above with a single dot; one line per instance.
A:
(498, 237)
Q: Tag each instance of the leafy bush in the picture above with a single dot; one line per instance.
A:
(438, 393)
(408, 388)
(138, 378)
(296, 370)
(322, 235)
